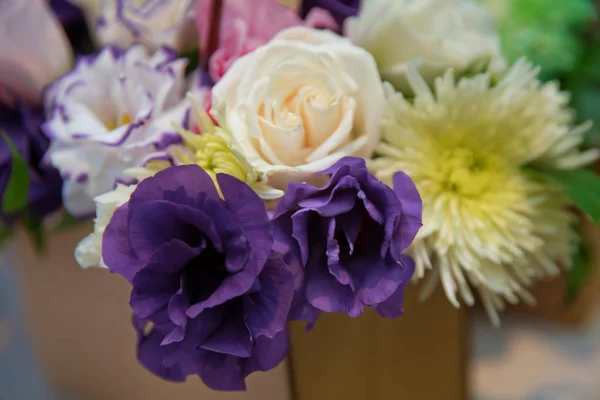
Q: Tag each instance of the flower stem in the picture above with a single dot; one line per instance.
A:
(216, 12)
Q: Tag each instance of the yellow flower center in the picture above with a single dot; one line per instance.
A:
(214, 155)
(467, 172)
(123, 119)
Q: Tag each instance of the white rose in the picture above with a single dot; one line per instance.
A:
(89, 251)
(300, 103)
(434, 35)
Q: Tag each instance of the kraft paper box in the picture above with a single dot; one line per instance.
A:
(419, 356)
(80, 322)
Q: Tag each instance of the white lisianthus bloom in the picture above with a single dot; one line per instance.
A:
(300, 103)
(433, 35)
(34, 50)
(153, 23)
(487, 224)
(88, 252)
(112, 112)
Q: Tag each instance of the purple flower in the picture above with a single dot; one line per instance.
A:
(347, 239)
(204, 274)
(22, 125)
(339, 9)
(68, 14)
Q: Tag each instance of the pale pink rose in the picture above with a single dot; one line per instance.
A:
(248, 24)
(34, 50)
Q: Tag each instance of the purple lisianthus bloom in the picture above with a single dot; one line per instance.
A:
(67, 13)
(72, 19)
(347, 239)
(204, 274)
(339, 9)
(22, 126)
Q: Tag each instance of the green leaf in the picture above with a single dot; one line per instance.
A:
(580, 271)
(15, 193)
(5, 234)
(35, 228)
(193, 57)
(581, 185)
(66, 222)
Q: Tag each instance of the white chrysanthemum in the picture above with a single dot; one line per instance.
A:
(486, 223)
(432, 35)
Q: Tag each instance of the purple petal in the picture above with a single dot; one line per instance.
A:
(341, 273)
(233, 338)
(378, 278)
(412, 210)
(371, 208)
(266, 311)
(340, 200)
(233, 286)
(268, 352)
(350, 225)
(172, 221)
(196, 332)
(221, 371)
(151, 354)
(301, 224)
(295, 193)
(333, 248)
(175, 336)
(117, 252)
(325, 293)
(191, 179)
(178, 304)
(154, 284)
(392, 307)
(251, 214)
(345, 165)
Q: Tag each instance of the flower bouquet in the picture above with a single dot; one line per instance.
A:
(250, 163)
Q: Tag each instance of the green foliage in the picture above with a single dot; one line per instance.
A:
(545, 31)
(15, 193)
(193, 57)
(584, 84)
(35, 229)
(581, 269)
(582, 186)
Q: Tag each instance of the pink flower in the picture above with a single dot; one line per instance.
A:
(34, 50)
(248, 24)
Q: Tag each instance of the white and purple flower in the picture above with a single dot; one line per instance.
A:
(153, 23)
(112, 112)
